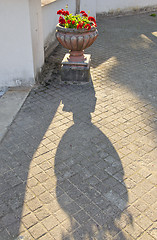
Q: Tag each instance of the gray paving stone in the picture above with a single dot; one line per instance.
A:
(79, 161)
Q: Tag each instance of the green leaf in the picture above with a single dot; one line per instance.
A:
(153, 15)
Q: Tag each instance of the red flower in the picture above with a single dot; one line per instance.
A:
(59, 12)
(83, 21)
(64, 13)
(62, 20)
(92, 19)
(87, 26)
(79, 26)
(85, 14)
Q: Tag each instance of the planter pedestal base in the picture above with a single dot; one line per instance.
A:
(75, 71)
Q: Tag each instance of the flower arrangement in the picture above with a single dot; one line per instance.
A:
(79, 21)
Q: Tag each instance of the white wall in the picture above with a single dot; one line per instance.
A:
(50, 18)
(15, 43)
(19, 43)
(37, 34)
(113, 5)
(89, 5)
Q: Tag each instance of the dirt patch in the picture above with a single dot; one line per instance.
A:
(52, 66)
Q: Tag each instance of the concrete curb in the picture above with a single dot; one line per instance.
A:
(10, 104)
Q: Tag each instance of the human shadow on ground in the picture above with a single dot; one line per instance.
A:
(23, 141)
(90, 172)
(90, 187)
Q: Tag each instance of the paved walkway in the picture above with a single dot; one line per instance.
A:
(80, 162)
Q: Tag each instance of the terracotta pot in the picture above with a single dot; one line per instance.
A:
(76, 40)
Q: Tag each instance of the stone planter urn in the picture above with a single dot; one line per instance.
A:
(76, 64)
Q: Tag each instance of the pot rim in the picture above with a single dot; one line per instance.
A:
(74, 30)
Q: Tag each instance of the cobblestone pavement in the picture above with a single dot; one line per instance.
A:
(80, 161)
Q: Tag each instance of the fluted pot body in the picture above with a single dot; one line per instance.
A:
(76, 40)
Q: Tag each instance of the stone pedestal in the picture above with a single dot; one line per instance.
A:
(76, 71)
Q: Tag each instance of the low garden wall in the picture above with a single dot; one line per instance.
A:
(105, 6)
(50, 19)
